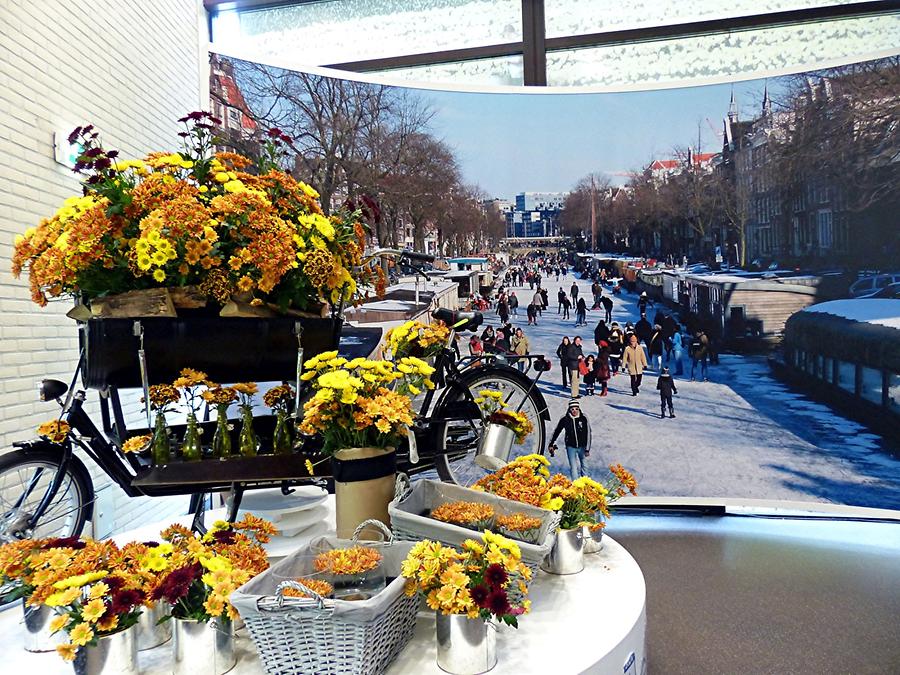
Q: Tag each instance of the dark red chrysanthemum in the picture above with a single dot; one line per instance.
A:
(480, 594)
(495, 575)
(125, 600)
(498, 603)
(64, 542)
(176, 585)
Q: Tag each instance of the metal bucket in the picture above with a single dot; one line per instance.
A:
(465, 646)
(151, 633)
(593, 540)
(203, 648)
(567, 554)
(114, 654)
(494, 447)
(38, 637)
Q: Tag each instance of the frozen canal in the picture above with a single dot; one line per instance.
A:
(742, 434)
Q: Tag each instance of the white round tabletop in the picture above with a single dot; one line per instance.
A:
(591, 622)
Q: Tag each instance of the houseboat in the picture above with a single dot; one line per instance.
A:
(848, 351)
(741, 305)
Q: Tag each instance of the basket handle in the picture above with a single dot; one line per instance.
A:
(378, 525)
(402, 488)
(296, 585)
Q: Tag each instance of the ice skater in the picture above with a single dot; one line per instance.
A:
(665, 384)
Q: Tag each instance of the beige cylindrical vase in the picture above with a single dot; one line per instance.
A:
(363, 487)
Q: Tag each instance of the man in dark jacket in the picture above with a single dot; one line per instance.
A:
(644, 330)
(607, 307)
(577, 438)
(574, 292)
(560, 297)
(666, 386)
(574, 357)
(601, 333)
(699, 353)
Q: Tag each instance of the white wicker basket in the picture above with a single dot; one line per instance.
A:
(414, 502)
(320, 636)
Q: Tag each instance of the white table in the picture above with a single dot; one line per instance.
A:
(592, 622)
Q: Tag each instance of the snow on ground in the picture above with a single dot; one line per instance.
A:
(882, 311)
(742, 434)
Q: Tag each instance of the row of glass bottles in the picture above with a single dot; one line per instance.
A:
(192, 449)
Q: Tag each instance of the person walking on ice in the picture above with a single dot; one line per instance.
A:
(634, 361)
(577, 437)
(666, 386)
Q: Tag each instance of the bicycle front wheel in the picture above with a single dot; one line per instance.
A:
(459, 439)
(25, 478)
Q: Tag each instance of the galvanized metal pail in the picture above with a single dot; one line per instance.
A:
(203, 648)
(593, 540)
(38, 637)
(465, 646)
(494, 447)
(114, 654)
(567, 554)
(150, 632)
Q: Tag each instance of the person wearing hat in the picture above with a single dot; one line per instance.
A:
(634, 361)
(665, 384)
(577, 437)
(616, 345)
(643, 301)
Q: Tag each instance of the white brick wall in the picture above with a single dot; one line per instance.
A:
(131, 68)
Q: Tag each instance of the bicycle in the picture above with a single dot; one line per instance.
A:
(46, 489)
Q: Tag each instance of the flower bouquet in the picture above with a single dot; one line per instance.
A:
(91, 587)
(193, 218)
(418, 339)
(197, 574)
(362, 409)
(503, 428)
(473, 515)
(485, 580)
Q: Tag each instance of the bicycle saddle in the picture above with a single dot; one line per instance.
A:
(471, 320)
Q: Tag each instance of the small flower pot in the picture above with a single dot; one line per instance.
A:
(567, 554)
(114, 654)
(465, 646)
(494, 447)
(593, 540)
(38, 637)
(203, 648)
(151, 633)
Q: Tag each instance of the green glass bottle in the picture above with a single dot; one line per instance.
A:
(282, 444)
(247, 442)
(221, 444)
(160, 450)
(191, 450)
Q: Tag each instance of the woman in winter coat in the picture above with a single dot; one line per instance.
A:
(519, 345)
(562, 355)
(581, 313)
(634, 361)
(574, 357)
(602, 368)
(616, 345)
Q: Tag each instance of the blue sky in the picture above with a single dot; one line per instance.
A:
(510, 143)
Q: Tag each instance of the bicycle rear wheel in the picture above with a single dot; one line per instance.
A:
(459, 439)
(25, 478)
